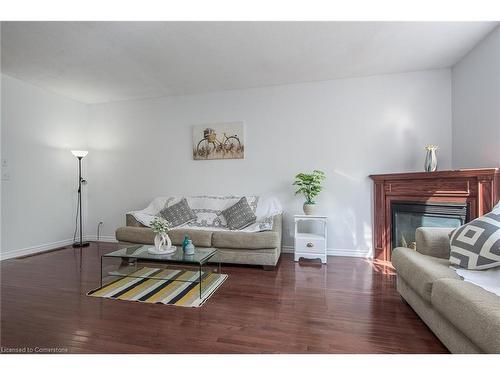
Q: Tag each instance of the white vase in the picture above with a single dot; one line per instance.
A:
(162, 242)
(431, 160)
(309, 209)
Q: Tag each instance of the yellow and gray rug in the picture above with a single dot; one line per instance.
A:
(150, 285)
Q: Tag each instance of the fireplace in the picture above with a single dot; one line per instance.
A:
(442, 198)
(408, 216)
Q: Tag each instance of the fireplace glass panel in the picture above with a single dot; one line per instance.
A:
(407, 217)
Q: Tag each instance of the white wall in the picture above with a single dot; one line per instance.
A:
(476, 106)
(349, 128)
(39, 199)
(1, 168)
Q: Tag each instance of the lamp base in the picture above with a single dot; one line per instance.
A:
(81, 244)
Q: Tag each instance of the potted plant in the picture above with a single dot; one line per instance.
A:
(160, 227)
(310, 186)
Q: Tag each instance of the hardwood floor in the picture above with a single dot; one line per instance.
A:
(348, 306)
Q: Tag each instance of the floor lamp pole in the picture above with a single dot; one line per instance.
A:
(80, 243)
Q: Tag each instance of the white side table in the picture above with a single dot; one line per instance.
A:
(310, 245)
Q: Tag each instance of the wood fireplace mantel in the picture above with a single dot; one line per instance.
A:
(478, 188)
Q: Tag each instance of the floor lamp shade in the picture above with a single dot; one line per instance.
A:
(80, 155)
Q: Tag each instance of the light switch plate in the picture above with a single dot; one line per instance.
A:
(4, 163)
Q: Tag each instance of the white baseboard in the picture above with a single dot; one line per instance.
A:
(337, 252)
(35, 249)
(101, 238)
(54, 245)
(50, 246)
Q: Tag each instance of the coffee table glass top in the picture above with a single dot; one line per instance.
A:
(200, 256)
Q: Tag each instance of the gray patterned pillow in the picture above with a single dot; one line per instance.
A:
(179, 213)
(476, 245)
(239, 215)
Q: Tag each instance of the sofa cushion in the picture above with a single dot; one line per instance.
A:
(476, 244)
(179, 213)
(433, 241)
(200, 238)
(421, 271)
(471, 309)
(135, 235)
(264, 257)
(240, 240)
(239, 215)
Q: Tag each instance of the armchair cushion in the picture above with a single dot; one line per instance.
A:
(471, 309)
(421, 271)
(433, 241)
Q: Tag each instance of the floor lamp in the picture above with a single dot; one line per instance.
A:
(80, 155)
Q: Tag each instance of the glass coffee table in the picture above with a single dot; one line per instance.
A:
(133, 255)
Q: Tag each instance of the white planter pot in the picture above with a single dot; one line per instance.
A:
(309, 209)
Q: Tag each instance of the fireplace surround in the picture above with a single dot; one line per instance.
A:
(473, 192)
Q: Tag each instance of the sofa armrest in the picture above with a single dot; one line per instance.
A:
(278, 227)
(132, 221)
(434, 242)
(135, 235)
(471, 309)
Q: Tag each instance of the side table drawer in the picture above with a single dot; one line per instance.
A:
(309, 245)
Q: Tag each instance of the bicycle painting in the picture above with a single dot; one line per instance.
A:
(218, 141)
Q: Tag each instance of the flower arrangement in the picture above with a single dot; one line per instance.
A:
(160, 225)
(431, 147)
(309, 184)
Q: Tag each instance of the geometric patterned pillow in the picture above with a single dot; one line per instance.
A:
(476, 245)
(179, 213)
(239, 215)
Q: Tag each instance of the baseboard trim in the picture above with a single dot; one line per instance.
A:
(34, 249)
(54, 245)
(336, 252)
(101, 238)
(50, 246)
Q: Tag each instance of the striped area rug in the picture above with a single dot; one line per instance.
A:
(156, 289)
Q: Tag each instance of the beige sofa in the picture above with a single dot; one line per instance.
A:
(261, 248)
(465, 317)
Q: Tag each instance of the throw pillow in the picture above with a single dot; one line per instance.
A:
(476, 244)
(179, 213)
(239, 215)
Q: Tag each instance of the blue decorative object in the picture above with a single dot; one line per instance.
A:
(185, 242)
(189, 249)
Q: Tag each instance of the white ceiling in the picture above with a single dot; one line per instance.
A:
(95, 62)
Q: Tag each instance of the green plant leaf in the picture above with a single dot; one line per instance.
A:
(309, 184)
